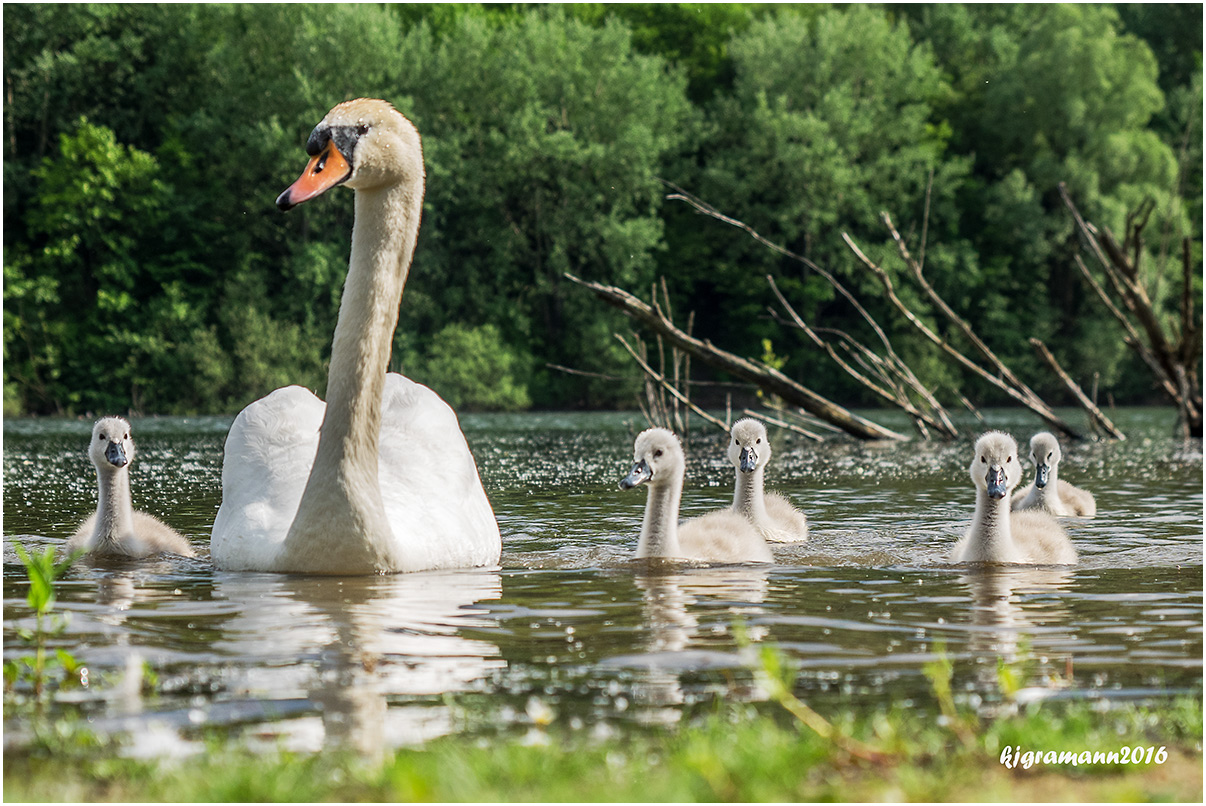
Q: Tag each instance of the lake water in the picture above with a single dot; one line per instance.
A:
(569, 629)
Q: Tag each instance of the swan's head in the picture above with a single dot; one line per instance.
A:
(363, 144)
(1044, 450)
(995, 467)
(657, 458)
(111, 447)
(749, 446)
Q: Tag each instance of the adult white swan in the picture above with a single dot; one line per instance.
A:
(379, 479)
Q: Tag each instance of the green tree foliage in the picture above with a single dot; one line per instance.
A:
(542, 139)
(830, 122)
(472, 369)
(146, 266)
(1046, 94)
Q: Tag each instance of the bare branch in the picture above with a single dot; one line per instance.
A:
(661, 379)
(894, 396)
(1031, 402)
(768, 378)
(761, 415)
(1094, 413)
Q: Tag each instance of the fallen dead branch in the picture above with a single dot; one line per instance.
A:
(1007, 382)
(767, 378)
(894, 374)
(1095, 414)
(1174, 359)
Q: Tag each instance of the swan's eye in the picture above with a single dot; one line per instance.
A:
(657, 454)
(758, 441)
(983, 461)
(362, 129)
(1008, 459)
(127, 436)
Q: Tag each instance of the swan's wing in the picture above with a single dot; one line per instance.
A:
(79, 540)
(722, 536)
(433, 496)
(155, 536)
(267, 460)
(1040, 538)
(789, 524)
(1081, 502)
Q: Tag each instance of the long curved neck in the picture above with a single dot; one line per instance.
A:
(1049, 494)
(991, 533)
(341, 505)
(383, 240)
(114, 511)
(659, 530)
(748, 499)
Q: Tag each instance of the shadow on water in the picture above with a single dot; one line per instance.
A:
(571, 629)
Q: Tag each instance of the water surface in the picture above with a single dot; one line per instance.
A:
(570, 629)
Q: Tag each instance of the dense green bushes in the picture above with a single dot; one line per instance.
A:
(145, 265)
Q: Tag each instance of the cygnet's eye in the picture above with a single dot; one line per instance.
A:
(362, 129)
(983, 461)
(1050, 455)
(127, 436)
(1008, 459)
(657, 454)
(100, 437)
(758, 440)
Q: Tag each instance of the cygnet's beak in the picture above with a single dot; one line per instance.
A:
(116, 455)
(640, 474)
(325, 170)
(1042, 475)
(749, 460)
(995, 482)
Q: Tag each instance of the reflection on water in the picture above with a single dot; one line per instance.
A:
(364, 640)
(572, 629)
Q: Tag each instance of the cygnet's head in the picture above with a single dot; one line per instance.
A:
(995, 467)
(657, 459)
(363, 144)
(111, 447)
(1044, 450)
(749, 446)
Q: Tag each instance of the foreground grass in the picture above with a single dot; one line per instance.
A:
(735, 756)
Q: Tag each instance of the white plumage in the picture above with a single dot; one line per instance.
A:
(379, 479)
(997, 535)
(771, 513)
(720, 537)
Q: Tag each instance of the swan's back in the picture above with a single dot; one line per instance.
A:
(724, 537)
(434, 503)
(150, 536)
(1040, 538)
(1072, 500)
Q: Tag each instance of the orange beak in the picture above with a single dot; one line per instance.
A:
(326, 170)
